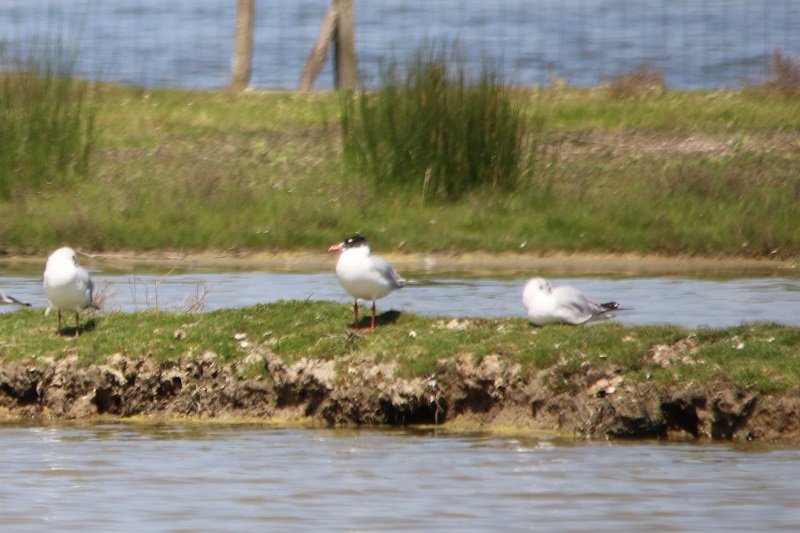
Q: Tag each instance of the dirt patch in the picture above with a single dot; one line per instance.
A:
(472, 263)
(594, 402)
(625, 143)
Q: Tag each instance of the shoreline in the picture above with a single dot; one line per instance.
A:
(436, 262)
(599, 402)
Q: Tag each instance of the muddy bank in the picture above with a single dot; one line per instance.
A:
(594, 402)
(474, 263)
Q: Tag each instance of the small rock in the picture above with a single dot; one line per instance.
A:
(253, 359)
(207, 357)
(179, 334)
(605, 387)
(113, 375)
(117, 360)
(457, 324)
(599, 388)
(240, 336)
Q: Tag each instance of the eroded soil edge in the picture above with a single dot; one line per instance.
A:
(596, 401)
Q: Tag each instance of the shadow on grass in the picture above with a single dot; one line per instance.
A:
(89, 325)
(387, 317)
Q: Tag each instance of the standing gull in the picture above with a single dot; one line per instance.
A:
(67, 285)
(566, 304)
(364, 276)
(6, 299)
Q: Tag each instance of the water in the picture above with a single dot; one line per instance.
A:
(192, 477)
(685, 301)
(696, 43)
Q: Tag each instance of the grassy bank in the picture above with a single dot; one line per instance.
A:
(699, 173)
(762, 357)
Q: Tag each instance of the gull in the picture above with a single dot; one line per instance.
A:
(67, 285)
(6, 299)
(566, 304)
(364, 276)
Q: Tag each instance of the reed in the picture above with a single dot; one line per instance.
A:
(643, 81)
(690, 172)
(431, 129)
(48, 119)
(784, 78)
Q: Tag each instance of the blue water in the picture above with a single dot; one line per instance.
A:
(685, 301)
(696, 43)
(192, 477)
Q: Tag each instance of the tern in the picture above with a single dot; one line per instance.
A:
(364, 276)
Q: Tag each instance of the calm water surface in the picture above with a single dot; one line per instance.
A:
(119, 477)
(696, 43)
(686, 301)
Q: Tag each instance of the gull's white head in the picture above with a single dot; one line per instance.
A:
(539, 284)
(61, 256)
(536, 287)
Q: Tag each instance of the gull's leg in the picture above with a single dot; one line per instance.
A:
(355, 313)
(77, 323)
(372, 323)
(58, 331)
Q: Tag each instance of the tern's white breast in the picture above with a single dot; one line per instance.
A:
(359, 275)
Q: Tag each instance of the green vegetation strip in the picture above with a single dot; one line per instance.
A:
(696, 173)
(761, 357)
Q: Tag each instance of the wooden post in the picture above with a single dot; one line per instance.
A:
(345, 50)
(241, 65)
(319, 52)
(337, 26)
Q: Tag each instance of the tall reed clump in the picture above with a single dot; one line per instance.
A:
(644, 81)
(784, 74)
(429, 129)
(48, 122)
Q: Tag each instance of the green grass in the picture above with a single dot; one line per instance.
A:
(48, 120)
(760, 357)
(700, 172)
(433, 131)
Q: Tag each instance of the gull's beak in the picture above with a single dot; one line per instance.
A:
(336, 247)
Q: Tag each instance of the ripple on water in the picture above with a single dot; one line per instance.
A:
(172, 477)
